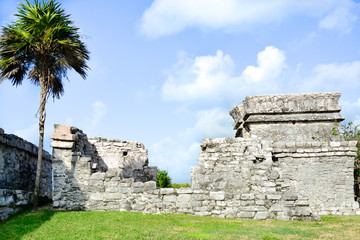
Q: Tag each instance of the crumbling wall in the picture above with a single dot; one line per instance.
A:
(130, 158)
(229, 182)
(275, 171)
(18, 161)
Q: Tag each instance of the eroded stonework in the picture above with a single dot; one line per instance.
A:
(275, 171)
(18, 161)
(295, 117)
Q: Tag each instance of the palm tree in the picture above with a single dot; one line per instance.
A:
(42, 45)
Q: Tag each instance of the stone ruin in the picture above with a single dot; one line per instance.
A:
(283, 164)
(288, 117)
(18, 160)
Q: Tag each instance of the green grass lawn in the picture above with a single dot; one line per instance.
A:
(130, 225)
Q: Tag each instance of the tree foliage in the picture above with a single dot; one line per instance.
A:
(351, 132)
(41, 45)
(162, 179)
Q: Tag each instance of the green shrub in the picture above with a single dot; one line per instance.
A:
(162, 179)
(179, 185)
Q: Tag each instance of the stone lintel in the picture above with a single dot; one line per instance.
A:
(301, 117)
(59, 128)
(293, 103)
(61, 144)
(63, 136)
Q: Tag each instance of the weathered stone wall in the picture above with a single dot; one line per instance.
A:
(18, 160)
(294, 117)
(130, 158)
(273, 175)
(221, 191)
(323, 171)
(320, 173)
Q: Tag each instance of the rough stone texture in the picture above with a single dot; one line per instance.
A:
(122, 158)
(316, 176)
(294, 117)
(249, 178)
(10, 200)
(236, 178)
(18, 160)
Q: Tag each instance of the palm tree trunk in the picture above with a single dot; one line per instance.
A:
(42, 116)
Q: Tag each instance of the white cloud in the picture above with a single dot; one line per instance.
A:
(342, 18)
(198, 78)
(99, 110)
(333, 77)
(271, 62)
(168, 17)
(211, 77)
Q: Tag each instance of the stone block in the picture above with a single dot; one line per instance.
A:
(151, 185)
(124, 185)
(96, 196)
(112, 196)
(97, 176)
(199, 197)
(112, 172)
(290, 196)
(198, 204)
(96, 183)
(112, 189)
(334, 144)
(273, 197)
(62, 128)
(261, 215)
(277, 207)
(184, 190)
(282, 216)
(125, 190)
(61, 144)
(183, 201)
(63, 136)
(138, 185)
(127, 180)
(217, 195)
(169, 198)
(2, 131)
(138, 207)
(303, 211)
(247, 196)
(253, 208)
(138, 190)
(246, 214)
(111, 184)
(167, 191)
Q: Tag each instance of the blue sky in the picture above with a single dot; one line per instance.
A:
(166, 73)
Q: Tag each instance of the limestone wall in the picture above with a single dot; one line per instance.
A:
(221, 191)
(323, 171)
(320, 173)
(294, 117)
(276, 171)
(18, 160)
(130, 158)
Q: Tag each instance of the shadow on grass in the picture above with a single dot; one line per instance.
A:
(26, 222)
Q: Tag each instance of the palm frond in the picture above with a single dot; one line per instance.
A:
(42, 45)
